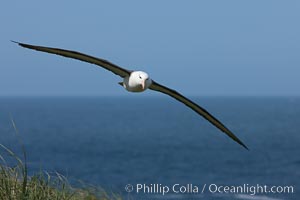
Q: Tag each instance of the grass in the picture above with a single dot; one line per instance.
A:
(15, 184)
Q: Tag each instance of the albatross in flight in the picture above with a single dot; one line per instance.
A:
(137, 81)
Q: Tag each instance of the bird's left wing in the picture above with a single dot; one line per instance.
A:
(201, 111)
(80, 56)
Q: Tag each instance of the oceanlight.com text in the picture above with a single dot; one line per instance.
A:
(162, 189)
(250, 189)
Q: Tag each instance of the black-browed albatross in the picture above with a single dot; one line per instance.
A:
(136, 81)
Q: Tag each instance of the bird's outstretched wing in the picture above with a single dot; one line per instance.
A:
(80, 56)
(124, 72)
(160, 88)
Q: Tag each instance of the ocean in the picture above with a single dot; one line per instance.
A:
(157, 148)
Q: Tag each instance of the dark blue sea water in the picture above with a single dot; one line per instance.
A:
(115, 141)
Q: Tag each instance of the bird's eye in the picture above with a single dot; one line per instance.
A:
(140, 76)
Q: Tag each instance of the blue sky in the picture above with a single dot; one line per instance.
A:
(199, 48)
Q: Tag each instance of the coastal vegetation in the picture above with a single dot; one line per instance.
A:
(17, 184)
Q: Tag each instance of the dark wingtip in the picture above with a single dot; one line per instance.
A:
(14, 41)
(242, 144)
(22, 45)
(245, 146)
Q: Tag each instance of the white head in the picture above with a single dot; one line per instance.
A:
(141, 79)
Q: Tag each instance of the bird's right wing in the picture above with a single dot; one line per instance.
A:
(80, 56)
(201, 111)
